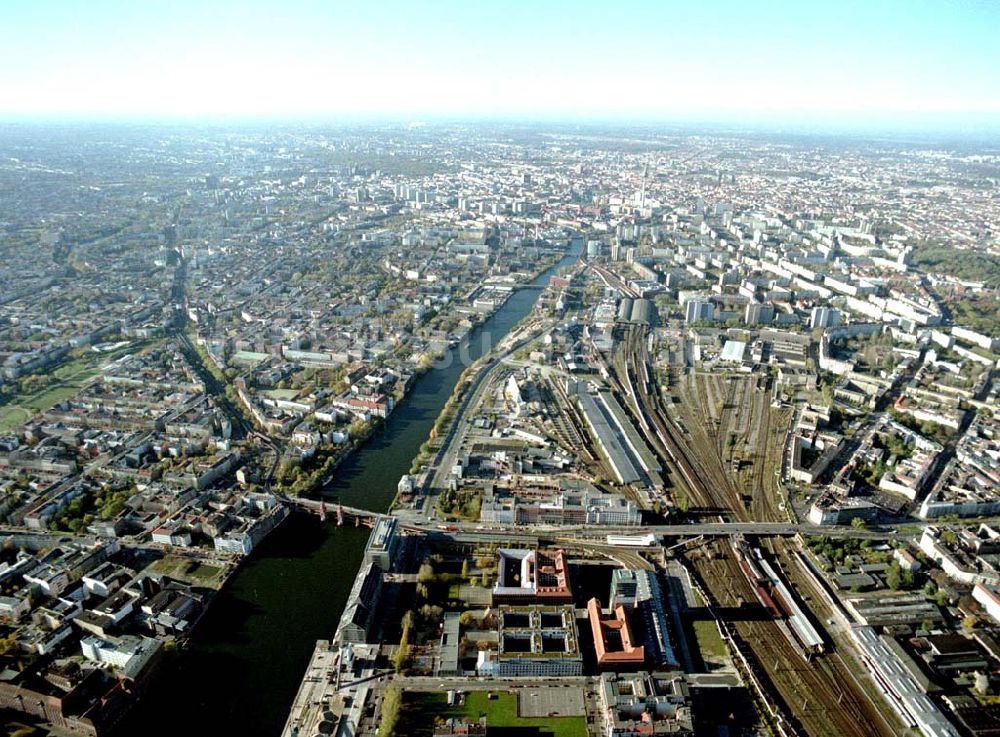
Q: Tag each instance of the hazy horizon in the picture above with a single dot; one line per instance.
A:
(947, 131)
(881, 66)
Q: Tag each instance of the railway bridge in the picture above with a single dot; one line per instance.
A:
(342, 513)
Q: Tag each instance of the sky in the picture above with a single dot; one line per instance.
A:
(856, 61)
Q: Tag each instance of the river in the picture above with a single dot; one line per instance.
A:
(240, 672)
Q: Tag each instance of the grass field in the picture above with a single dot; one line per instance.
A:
(51, 396)
(288, 394)
(11, 418)
(22, 407)
(709, 640)
(421, 709)
(71, 377)
(78, 366)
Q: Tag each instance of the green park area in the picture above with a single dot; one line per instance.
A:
(500, 708)
(43, 391)
(22, 406)
(285, 394)
(11, 418)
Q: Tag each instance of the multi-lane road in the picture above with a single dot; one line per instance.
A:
(706, 529)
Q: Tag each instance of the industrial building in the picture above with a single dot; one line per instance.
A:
(627, 454)
(448, 660)
(383, 543)
(733, 351)
(912, 705)
(642, 590)
(358, 619)
(623, 587)
(893, 609)
(587, 507)
(641, 311)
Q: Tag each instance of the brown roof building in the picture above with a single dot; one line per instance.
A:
(613, 639)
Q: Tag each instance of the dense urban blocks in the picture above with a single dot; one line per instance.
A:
(764, 350)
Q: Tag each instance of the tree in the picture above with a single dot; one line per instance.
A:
(8, 644)
(970, 622)
(465, 568)
(431, 615)
(893, 579)
(426, 573)
(402, 656)
(357, 429)
(392, 701)
(858, 523)
(408, 620)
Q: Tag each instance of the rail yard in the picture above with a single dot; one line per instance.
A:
(722, 440)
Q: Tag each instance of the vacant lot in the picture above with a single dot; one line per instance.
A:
(190, 571)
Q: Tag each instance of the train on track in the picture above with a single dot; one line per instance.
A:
(774, 594)
(633, 541)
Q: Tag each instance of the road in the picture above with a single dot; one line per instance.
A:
(445, 460)
(707, 529)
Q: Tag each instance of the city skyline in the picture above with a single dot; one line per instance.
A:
(883, 65)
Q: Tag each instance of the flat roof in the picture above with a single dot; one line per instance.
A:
(898, 680)
(382, 533)
(608, 440)
(733, 351)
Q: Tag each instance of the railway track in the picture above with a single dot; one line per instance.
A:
(817, 697)
(704, 448)
(642, 401)
(565, 422)
(647, 404)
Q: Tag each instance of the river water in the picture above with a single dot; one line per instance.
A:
(240, 673)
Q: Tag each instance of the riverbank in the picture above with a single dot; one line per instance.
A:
(254, 639)
(261, 632)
